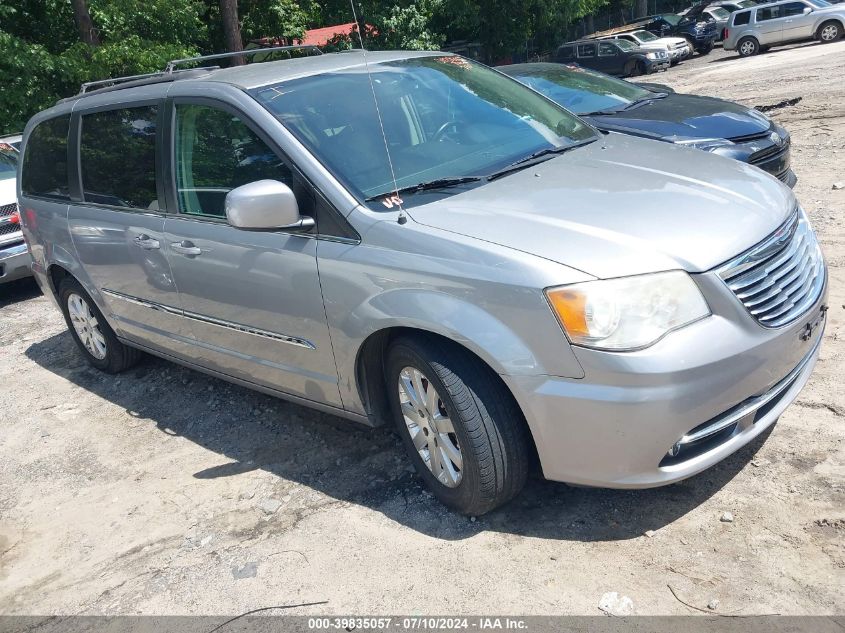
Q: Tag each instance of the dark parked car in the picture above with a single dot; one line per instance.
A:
(706, 123)
(700, 34)
(617, 57)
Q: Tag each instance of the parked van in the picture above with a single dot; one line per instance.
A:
(757, 29)
(415, 238)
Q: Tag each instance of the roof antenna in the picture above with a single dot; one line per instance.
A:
(395, 199)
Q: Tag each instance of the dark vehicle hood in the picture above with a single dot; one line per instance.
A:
(686, 116)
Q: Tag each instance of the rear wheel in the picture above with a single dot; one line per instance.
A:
(830, 32)
(463, 431)
(706, 49)
(92, 333)
(747, 46)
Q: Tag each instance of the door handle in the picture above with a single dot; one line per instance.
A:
(146, 242)
(186, 247)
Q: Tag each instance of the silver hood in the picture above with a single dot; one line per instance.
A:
(622, 206)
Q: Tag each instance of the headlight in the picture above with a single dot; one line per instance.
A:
(651, 55)
(706, 144)
(627, 313)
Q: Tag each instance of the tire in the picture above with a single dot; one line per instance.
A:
(476, 414)
(829, 31)
(638, 69)
(706, 50)
(84, 319)
(747, 46)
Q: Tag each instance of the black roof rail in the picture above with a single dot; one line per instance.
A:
(171, 65)
(171, 72)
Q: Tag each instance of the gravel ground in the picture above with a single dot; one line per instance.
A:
(163, 491)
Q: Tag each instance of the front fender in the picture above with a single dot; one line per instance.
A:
(484, 297)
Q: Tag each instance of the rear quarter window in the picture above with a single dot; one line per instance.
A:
(44, 173)
(566, 52)
(742, 17)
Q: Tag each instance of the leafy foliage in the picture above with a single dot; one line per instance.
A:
(42, 57)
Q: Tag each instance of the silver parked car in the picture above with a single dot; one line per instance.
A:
(467, 260)
(757, 29)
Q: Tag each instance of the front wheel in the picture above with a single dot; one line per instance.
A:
(747, 46)
(91, 332)
(706, 49)
(830, 32)
(463, 431)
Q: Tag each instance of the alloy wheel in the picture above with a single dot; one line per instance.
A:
(830, 33)
(747, 48)
(86, 326)
(430, 427)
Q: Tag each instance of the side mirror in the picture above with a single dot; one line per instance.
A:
(265, 205)
(807, 10)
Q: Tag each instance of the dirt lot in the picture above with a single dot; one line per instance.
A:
(163, 491)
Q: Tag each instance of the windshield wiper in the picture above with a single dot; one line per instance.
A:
(440, 183)
(652, 97)
(536, 157)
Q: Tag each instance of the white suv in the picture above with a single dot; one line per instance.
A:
(677, 47)
(759, 28)
(14, 257)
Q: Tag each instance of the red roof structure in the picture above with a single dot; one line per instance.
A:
(319, 37)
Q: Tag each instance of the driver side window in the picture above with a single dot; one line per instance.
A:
(215, 153)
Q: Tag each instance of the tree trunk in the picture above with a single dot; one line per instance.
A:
(84, 24)
(232, 29)
(590, 26)
(642, 8)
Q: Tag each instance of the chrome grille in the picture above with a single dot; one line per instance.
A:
(779, 279)
(9, 228)
(8, 209)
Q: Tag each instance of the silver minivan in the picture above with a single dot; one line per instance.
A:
(415, 238)
(757, 29)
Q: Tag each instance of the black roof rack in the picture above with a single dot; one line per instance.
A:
(171, 72)
(171, 66)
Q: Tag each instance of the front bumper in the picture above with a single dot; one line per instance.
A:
(615, 427)
(656, 65)
(15, 262)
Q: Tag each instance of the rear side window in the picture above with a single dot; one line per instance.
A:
(586, 50)
(744, 17)
(118, 158)
(768, 13)
(44, 171)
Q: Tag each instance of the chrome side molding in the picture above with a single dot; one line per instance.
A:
(202, 318)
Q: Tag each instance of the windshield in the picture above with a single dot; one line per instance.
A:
(719, 13)
(820, 3)
(645, 36)
(578, 89)
(444, 117)
(8, 165)
(674, 20)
